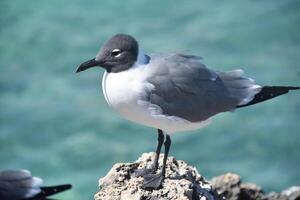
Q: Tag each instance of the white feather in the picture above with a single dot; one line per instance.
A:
(241, 87)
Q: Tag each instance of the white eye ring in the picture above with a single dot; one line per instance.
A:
(116, 53)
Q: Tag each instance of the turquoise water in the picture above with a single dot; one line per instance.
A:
(57, 124)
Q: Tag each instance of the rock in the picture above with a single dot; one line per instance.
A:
(183, 182)
(250, 191)
(230, 187)
(292, 193)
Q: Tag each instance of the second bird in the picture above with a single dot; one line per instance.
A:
(170, 92)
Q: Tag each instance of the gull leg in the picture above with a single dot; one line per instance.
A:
(154, 181)
(153, 168)
(167, 148)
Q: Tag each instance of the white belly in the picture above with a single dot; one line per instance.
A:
(126, 92)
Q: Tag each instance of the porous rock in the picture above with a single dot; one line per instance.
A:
(229, 186)
(182, 182)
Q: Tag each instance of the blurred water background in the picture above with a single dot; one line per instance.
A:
(57, 124)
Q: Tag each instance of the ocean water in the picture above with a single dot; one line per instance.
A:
(57, 124)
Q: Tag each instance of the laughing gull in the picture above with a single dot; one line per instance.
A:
(20, 185)
(170, 92)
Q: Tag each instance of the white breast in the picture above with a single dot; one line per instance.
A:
(123, 90)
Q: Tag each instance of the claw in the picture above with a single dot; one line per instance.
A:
(153, 181)
(143, 172)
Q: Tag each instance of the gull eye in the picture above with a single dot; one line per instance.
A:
(116, 53)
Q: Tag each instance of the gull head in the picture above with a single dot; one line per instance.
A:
(119, 53)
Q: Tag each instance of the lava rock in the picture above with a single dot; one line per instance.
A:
(183, 182)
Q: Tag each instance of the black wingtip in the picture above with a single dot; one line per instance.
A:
(294, 88)
(269, 92)
(78, 70)
(51, 190)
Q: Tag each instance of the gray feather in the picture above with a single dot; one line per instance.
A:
(186, 88)
(242, 88)
(18, 184)
(10, 175)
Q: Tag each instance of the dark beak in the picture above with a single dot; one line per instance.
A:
(88, 64)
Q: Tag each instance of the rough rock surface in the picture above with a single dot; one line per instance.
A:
(182, 182)
(230, 186)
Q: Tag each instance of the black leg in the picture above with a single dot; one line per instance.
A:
(160, 139)
(154, 181)
(153, 169)
(167, 148)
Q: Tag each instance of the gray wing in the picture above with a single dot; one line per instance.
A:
(184, 87)
(18, 184)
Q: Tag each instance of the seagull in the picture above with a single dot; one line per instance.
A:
(170, 92)
(20, 185)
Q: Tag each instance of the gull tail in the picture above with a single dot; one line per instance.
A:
(241, 88)
(269, 92)
(247, 92)
(50, 190)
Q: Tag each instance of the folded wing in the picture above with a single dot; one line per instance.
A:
(186, 88)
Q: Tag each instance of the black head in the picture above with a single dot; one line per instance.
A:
(119, 53)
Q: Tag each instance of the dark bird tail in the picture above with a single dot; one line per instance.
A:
(48, 191)
(269, 92)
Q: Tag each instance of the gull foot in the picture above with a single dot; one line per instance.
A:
(143, 172)
(153, 181)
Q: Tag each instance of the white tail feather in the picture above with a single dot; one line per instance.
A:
(19, 184)
(240, 87)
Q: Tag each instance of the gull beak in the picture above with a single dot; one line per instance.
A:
(88, 64)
